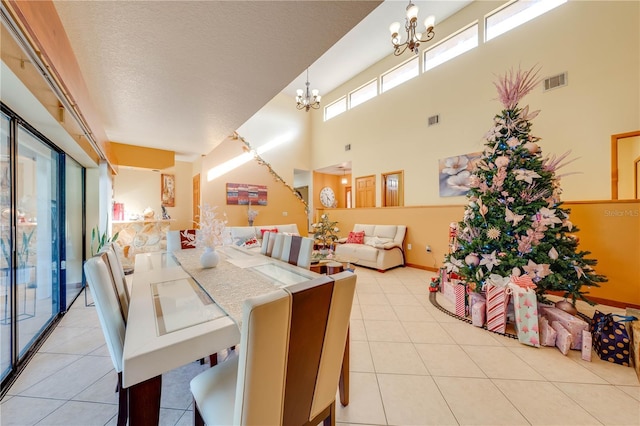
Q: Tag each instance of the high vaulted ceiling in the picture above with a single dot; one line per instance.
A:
(183, 75)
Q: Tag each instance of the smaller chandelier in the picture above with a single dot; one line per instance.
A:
(413, 38)
(308, 99)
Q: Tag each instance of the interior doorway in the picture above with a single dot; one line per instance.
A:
(393, 189)
(366, 191)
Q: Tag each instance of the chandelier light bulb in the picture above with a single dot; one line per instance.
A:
(412, 12)
(429, 22)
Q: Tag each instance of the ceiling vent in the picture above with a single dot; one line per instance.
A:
(434, 119)
(555, 81)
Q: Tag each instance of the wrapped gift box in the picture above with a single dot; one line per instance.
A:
(460, 292)
(574, 325)
(587, 342)
(563, 338)
(447, 291)
(633, 328)
(478, 313)
(610, 338)
(547, 333)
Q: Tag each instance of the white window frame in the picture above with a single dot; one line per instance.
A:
(397, 68)
(449, 48)
(515, 14)
(361, 89)
(328, 108)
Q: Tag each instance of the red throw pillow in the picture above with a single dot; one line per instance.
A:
(188, 239)
(273, 231)
(356, 237)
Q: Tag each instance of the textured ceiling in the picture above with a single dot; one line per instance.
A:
(183, 75)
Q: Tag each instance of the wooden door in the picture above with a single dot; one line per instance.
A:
(366, 191)
(196, 200)
(393, 189)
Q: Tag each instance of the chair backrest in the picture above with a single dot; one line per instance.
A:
(287, 240)
(304, 256)
(119, 281)
(291, 351)
(107, 305)
(297, 250)
(263, 359)
(277, 245)
(265, 242)
(181, 240)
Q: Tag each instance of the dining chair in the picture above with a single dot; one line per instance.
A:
(288, 367)
(118, 278)
(112, 322)
(287, 240)
(277, 245)
(265, 243)
(297, 250)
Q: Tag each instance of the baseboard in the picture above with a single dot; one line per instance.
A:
(426, 268)
(609, 302)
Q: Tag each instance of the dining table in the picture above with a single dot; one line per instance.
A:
(180, 312)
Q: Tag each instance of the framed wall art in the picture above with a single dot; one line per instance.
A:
(243, 193)
(168, 190)
(454, 173)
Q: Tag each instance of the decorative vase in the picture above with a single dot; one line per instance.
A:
(210, 258)
(250, 222)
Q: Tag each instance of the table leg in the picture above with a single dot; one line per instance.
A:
(344, 374)
(144, 402)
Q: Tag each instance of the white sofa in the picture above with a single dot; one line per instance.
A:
(382, 248)
(240, 234)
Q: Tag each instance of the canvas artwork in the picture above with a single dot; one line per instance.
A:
(243, 193)
(454, 173)
(168, 190)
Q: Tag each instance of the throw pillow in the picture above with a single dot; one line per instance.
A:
(187, 239)
(273, 231)
(251, 242)
(355, 237)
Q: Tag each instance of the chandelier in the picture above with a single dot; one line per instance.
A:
(307, 99)
(413, 38)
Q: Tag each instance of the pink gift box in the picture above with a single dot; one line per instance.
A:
(478, 313)
(460, 291)
(563, 340)
(547, 333)
(574, 325)
(587, 342)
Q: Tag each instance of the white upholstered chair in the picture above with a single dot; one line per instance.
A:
(297, 250)
(112, 322)
(265, 243)
(289, 361)
(119, 281)
(278, 240)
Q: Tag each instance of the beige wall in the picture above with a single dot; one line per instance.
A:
(602, 98)
(140, 188)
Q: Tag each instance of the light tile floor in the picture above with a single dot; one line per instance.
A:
(410, 365)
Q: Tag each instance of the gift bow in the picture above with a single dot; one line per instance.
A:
(497, 280)
(607, 319)
(523, 281)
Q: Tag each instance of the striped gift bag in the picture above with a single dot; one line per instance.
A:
(460, 291)
(497, 301)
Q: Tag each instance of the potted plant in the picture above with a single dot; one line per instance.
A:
(100, 240)
(325, 233)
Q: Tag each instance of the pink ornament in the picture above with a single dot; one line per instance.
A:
(472, 260)
(533, 148)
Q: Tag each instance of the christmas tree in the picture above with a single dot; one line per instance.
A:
(514, 222)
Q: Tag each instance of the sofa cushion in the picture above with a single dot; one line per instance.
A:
(385, 231)
(358, 252)
(356, 237)
(368, 229)
(240, 234)
(251, 242)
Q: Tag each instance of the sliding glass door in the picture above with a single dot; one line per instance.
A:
(37, 236)
(5, 259)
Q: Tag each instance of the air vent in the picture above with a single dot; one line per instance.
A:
(347, 147)
(434, 119)
(555, 81)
